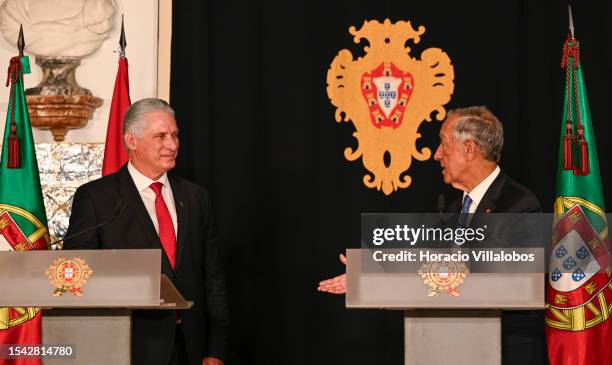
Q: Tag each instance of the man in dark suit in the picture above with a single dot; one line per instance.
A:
(471, 140)
(166, 212)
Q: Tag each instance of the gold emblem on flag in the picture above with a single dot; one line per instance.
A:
(68, 275)
(14, 316)
(590, 287)
(443, 276)
(387, 94)
(573, 310)
(30, 234)
(560, 299)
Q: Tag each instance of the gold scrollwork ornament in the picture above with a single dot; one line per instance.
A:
(387, 94)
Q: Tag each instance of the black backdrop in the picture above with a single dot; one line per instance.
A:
(257, 129)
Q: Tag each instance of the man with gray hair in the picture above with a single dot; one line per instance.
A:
(166, 212)
(471, 140)
(470, 146)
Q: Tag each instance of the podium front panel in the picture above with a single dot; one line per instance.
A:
(103, 278)
(409, 291)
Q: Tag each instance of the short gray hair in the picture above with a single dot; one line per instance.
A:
(133, 121)
(479, 124)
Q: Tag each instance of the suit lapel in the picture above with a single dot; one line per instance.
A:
(134, 203)
(180, 203)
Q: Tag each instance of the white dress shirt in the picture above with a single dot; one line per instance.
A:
(479, 191)
(143, 185)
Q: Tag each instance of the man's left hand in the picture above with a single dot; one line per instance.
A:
(335, 285)
(211, 361)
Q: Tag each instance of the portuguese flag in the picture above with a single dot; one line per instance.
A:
(23, 223)
(579, 291)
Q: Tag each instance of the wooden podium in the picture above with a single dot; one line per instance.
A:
(95, 318)
(464, 329)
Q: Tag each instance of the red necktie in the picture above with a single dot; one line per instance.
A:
(164, 223)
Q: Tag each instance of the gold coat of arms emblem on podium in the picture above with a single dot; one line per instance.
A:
(443, 277)
(68, 275)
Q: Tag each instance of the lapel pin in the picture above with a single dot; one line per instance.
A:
(488, 210)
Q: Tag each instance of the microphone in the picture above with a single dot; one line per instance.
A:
(441, 204)
(117, 210)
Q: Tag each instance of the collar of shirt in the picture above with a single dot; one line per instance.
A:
(148, 196)
(479, 191)
(142, 182)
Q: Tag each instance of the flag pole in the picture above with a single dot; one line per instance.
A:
(115, 154)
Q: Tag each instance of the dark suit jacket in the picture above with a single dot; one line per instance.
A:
(198, 273)
(520, 329)
(503, 196)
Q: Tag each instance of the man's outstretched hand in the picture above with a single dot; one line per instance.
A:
(335, 285)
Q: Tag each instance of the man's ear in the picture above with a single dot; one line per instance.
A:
(470, 149)
(130, 141)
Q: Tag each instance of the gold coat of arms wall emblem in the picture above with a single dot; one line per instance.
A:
(387, 94)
